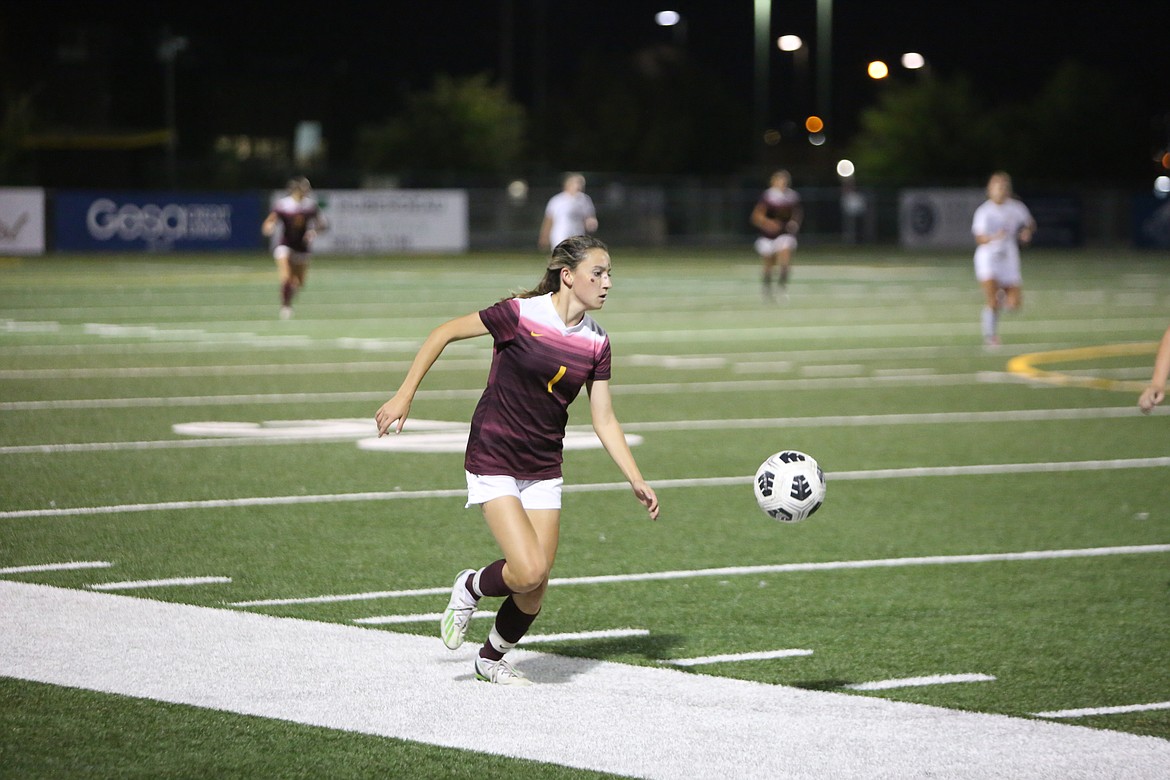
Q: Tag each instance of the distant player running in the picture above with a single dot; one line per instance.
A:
(777, 215)
(568, 213)
(546, 348)
(1000, 225)
(300, 220)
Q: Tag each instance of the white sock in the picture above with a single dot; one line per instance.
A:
(990, 320)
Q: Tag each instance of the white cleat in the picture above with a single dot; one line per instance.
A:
(286, 312)
(499, 672)
(457, 615)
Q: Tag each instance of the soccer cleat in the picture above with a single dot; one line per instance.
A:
(457, 615)
(499, 672)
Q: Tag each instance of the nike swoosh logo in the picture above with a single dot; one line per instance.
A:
(535, 334)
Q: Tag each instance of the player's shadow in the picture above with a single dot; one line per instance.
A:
(820, 685)
(572, 659)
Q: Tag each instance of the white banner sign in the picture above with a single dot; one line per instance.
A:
(938, 217)
(378, 221)
(22, 221)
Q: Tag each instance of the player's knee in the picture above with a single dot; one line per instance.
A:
(528, 574)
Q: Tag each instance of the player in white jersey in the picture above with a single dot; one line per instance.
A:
(1000, 225)
(569, 213)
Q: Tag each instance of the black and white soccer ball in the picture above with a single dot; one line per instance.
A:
(789, 486)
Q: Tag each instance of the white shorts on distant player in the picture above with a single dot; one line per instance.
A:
(998, 261)
(770, 246)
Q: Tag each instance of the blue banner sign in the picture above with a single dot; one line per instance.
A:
(157, 221)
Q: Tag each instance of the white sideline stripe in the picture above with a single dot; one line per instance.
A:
(575, 636)
(747, 386)
(391, 620)
(137, 584)
(729, 571)
(68, 566)
(1090, 711)
(913, 682)
(763, 655)
(597, 487)
(827, 421)
(644, 721)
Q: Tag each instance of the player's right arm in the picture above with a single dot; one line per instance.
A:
(1156, 392)
(545, 231)
(398, 407)
(269, 225)
(761, 220)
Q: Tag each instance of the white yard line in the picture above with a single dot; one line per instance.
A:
(162, 583)
(67, 566)
(915, 682)
(323, 433)
(763, 655)
(584, 636)
(642, 721)
(1087, 712)
(598, 487)
(732, 571)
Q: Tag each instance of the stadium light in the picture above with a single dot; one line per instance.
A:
(912, 60)
(667, 18)
(845, 168)
(789, 43)
(877, 70)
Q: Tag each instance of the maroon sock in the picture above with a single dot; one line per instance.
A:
(511, 626)
(491, 581)
(286, 294)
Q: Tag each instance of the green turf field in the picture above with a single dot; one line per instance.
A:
(935, 453)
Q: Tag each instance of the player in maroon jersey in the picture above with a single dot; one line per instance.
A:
(777, 215)
(300, 220)
(547, 348)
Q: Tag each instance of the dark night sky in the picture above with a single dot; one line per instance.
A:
(368, 54)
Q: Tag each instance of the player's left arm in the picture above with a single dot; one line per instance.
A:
(609, 431)
(794, 221)
(1029, 228)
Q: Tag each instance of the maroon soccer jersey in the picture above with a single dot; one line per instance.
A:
(296, 218)
(538, 367)
(779, 205)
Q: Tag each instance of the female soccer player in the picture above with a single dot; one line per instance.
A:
(300, 221)
(1156, 392)
(1000, 225)
(777, 215)
(546, 348)
(568, 213)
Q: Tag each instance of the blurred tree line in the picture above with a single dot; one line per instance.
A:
(657, 113)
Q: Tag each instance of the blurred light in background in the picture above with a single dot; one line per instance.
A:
(1162, 185)
(912, 60)
(772, 137)
(1166, 161)
(518, 190)
(845, 168)
(814, 124)
(878, 70)
(789, 42)
(666, 18)
(817, 139)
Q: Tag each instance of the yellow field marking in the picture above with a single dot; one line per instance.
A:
(1026, 366)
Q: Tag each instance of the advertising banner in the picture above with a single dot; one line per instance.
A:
(157, 221)
(389, 221)
(938, 218)
(1151, 222)
(22, 221)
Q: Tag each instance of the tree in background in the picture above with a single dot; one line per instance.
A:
(460, 126)
(1080, 127)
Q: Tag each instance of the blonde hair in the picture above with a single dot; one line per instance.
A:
(567, 254)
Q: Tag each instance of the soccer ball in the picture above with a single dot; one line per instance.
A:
(790, 486)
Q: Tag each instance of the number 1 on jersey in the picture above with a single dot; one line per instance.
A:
(557, 378)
